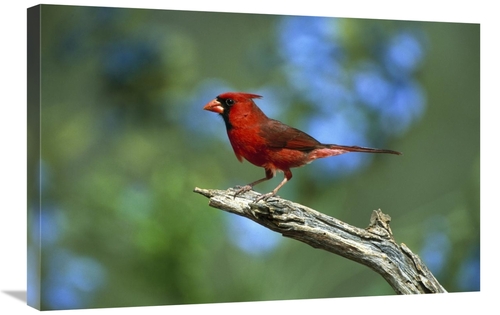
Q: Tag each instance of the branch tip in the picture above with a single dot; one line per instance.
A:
(205, 192)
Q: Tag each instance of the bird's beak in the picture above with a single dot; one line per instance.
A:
(214, 106)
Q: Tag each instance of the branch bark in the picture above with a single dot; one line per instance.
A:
(373, 247)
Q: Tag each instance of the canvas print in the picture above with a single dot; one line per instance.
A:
(185, 157)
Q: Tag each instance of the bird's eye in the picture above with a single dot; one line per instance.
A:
(229, 102)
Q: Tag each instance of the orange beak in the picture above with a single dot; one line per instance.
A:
(214, 106)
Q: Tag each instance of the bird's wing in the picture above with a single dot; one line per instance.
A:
(279, 136)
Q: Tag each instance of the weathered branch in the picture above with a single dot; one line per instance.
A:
(373, 247)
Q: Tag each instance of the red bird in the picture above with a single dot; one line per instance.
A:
(269, 143)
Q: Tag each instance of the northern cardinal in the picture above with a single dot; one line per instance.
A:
(269, 143)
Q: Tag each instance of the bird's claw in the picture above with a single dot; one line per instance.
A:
(242, 189)
(264, 197)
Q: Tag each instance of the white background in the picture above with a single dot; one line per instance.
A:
(13, 151)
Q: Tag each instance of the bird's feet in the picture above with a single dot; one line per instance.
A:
(264, 197)
(242, 189)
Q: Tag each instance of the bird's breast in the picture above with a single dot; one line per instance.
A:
(248, 144)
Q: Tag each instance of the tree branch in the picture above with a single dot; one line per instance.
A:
(374, 246)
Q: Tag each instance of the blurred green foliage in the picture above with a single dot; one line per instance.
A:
(124, 141)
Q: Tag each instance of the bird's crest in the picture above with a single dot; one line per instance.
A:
(238, 96)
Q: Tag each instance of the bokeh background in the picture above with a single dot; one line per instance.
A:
(124, 141)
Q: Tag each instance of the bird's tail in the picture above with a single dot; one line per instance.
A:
(360, 149)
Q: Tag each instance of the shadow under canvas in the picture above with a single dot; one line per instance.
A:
(18, 294)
